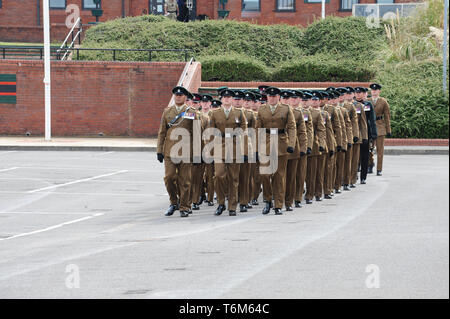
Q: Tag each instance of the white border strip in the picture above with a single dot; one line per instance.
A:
(52, 227)
(75, 182)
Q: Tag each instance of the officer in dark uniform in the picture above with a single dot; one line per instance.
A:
(372, 131)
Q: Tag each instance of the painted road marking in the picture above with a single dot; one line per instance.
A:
(52, 227)
(76, 181)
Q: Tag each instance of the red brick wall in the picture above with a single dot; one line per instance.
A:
(116, 98)
(24, 12)
(304, 14)
(58, 33)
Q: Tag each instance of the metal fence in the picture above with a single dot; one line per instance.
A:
(37, 53)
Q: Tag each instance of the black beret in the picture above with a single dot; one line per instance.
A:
(306, 96)
(249, 96)
(238, 94)
(216, 103)
(297, 93)
(189, 95)
(262, 88)
(330, 88)
(226, 92)
(197, 97)
(359, 89)
(179, 90)
(375, 86)
(350, 89)
(316, 95)
(272, 91)
(286, 94)
(342, 90)
(207, 98)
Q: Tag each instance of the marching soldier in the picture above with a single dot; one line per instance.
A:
(302, 165)
(256, 177)
(177, 166)
(227, 168)
(208, 188)
(383, 121)
(245, 169)
(334, 126)
(300, 150)
(364, 138)
(278, 121)
(372, 133)
(353, 133)
(330, 147)
(318, 147)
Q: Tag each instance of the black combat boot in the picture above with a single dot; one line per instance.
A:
(267, 208)
(220, 210)
(242, 208)
(171, 210)
(278, 211)
(184, 213)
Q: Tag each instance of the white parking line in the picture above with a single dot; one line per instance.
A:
(8, 169)
(90, 194)
(44, 213)
(52, 227)
(76, 181)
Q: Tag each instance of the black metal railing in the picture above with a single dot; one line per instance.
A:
(28, 52)
(185, 53)
(37, 52)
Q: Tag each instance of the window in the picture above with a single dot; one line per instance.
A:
(251, 5)
(385, 1)
(57, 4)
(89, 4)
(346, 5)
(0, 4)
(316, 1)
(285, 5)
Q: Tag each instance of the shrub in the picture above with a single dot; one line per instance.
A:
(269, 44)
(323, 67)
(348, 37)
(419, 107)
(232, 67)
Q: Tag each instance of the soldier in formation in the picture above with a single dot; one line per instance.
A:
(285, 144)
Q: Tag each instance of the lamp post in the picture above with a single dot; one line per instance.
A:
(444, 55)
(47, 83)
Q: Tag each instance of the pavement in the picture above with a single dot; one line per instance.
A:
(120, 144)
(91, 225)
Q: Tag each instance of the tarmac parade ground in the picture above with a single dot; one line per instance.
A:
(91, 225)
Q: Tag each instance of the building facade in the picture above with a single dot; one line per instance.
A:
(21, 17)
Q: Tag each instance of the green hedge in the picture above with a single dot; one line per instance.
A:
(269, 44)
(419, 107)
(322, 68)
(349, 37)
(233, 67)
